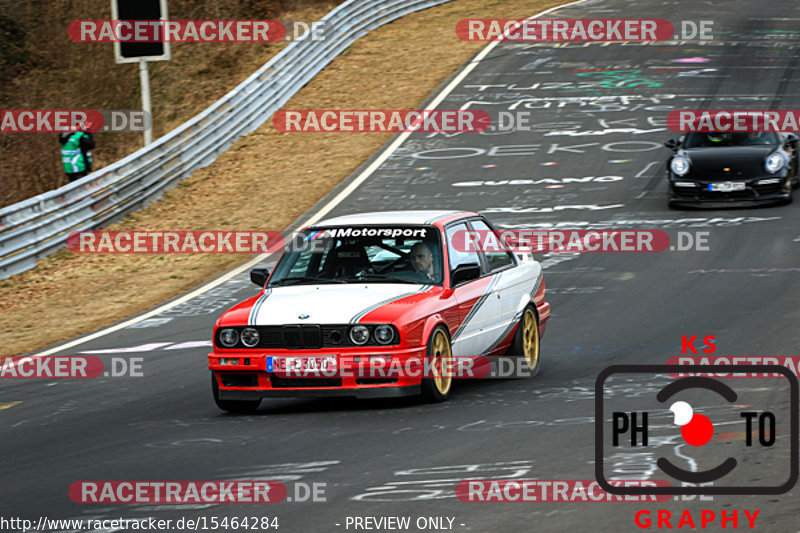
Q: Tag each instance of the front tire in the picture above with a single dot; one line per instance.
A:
(233, 406)
(439, 355)
(525, 347)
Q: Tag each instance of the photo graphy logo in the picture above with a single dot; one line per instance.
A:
(668, 420)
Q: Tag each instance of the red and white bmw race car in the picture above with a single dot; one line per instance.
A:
(383, 291)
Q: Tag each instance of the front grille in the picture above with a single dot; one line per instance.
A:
(766, 190)
(746, 194)
(304, 337)
(298, 383)
(375, 381)
(702, 193)
(296, 337)
(290, 337)
(270, 337)
(238, 379)
(335, 336)
(307, 336)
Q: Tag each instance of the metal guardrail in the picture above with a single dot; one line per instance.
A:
(38, 226)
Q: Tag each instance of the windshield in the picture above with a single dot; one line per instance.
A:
(708, 140)
(385, 254)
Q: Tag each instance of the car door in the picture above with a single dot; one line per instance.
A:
(477, 304)
(508, 287)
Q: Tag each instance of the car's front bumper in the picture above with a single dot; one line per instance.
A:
(356, 392)
(752, 194)
(355, 376)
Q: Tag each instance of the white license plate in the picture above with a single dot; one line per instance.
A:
(303, 365)
(726, 186)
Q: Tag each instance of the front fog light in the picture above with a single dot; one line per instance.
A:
(250, 337)
(685, 184)
(384, 334)
(228, 337)
(359, 334)
(769, 181)
(224, 361)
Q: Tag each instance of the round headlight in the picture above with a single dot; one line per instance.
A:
(250, 337)
(359, 334)
(679, 165)
(384, 334)
(774, 162)
(228, 337)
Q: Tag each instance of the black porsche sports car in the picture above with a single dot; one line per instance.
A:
(721, 169)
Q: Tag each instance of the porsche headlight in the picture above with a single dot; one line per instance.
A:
(359, 334)
(384, 334)
(679, 165)
(250, 337)
(774, 162)
(228, 337)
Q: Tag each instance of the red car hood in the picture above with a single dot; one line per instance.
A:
(319, 304)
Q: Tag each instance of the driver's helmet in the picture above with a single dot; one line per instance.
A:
(715, 137)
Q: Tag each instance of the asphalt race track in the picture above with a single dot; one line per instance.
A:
(598, 112)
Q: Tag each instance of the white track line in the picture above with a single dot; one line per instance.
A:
(336, 200)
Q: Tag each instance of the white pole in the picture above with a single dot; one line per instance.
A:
(144, 78)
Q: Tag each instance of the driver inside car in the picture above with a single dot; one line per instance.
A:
(421, 259)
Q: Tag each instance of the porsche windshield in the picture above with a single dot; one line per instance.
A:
(710, 140)
(385, 254)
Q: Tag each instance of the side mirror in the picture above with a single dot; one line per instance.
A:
(672, 144)
(464, 273)
(259, 276)
(791, 138)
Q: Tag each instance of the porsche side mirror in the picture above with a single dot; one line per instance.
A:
(672, 144)
(259, 276)
(463, 273)
(791, 138)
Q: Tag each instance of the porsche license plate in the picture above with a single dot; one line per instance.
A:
(726, 186)
(303, 365)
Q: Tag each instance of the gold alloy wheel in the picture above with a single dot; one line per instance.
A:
(530, 338)
(442, 356)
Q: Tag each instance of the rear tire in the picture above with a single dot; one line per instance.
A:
(525, 347)
(233, 406)
(437, 388)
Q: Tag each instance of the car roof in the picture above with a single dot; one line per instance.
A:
(393, 217)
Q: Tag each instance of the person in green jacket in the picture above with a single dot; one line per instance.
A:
(75, 154)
